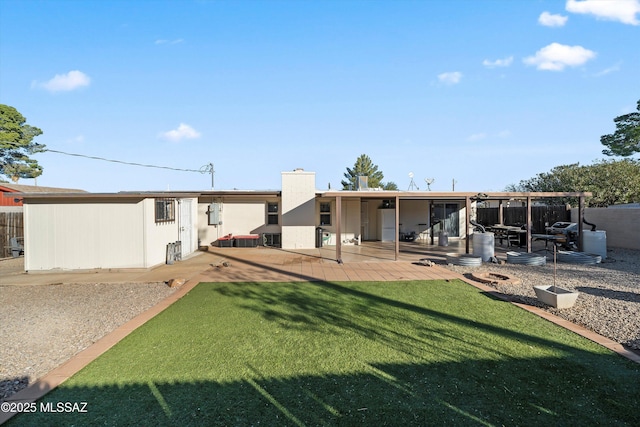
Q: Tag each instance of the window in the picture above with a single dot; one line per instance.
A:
(165, 210)
(272, 213)
(325, 213)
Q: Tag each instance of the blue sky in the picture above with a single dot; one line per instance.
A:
(486, 93)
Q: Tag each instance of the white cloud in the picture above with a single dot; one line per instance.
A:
(482, 135)
(79, 139)
(450, 78)
(183, 131)
(65, 82)
(609, 70)
(624, 11)
(498, 62)
(555, 57)
(477, 136)
(164, 41)
(549, 20)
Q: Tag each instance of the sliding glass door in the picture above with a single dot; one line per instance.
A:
(448, 216)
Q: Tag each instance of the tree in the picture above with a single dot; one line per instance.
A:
(16, 144)
(626, 139)
(365, 167)
(611, 182)
(390, 186)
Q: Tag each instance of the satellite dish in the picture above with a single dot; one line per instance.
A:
(429, 181)
(412, 184)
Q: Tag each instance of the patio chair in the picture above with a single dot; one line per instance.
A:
(16, 244)
(513, 238)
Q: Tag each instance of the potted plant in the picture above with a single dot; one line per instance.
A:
(553, 295)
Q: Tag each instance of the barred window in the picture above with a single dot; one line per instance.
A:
(165, 210)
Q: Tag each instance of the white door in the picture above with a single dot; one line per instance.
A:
(387, 224)
(184, 222)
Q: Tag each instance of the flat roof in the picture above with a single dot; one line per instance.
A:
(371, 194)
(386, 194)
(129, 196)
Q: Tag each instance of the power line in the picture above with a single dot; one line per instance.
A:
(202, 170)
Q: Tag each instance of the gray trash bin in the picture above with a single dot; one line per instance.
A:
(443, 238)
(319, 231)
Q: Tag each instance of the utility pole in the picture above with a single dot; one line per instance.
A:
(208, 169)
(453, 184)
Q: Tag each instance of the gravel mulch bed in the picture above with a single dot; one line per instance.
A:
(609, 299)
(44, 326)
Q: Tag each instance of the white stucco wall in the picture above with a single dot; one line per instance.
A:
(158, 235)
(83, 235)
(298, 209)
(414, 216)
(239, 216)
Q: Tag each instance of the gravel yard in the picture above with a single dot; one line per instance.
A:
(44, 326)
(609, 300)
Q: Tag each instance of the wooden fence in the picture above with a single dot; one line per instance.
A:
(517, 216)
(11, 225)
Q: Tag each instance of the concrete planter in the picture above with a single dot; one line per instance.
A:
(555, 296)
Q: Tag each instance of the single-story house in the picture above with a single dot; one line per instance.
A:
(132, 230)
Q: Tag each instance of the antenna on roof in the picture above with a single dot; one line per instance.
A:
(429, 181)
(412, 184)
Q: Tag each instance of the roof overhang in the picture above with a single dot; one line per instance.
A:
(241, 193)
(125, 197)
(449, 195)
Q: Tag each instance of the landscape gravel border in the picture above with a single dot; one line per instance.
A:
(609, 300)
(43, 326)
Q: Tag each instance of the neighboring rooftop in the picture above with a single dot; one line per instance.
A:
(19, 188)
(12, 194)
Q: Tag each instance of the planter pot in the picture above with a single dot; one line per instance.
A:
(555, 296)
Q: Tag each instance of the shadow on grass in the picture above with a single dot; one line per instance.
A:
(466, 394)
(409, 353)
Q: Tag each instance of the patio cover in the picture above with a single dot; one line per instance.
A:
(466, 197)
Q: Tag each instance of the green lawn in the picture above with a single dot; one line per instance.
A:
(369, 353)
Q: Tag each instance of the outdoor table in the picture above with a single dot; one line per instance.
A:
(502, 231)
(549, 238)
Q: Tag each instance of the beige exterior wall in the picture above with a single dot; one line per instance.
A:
(239, 216)
(350, 222)
(414, 216)
(621, 225)
(73, 236)
(298, 209)
(158, 235)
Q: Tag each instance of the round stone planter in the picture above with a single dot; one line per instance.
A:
(495, 278)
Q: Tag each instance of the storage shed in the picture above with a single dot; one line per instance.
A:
(84, 231)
